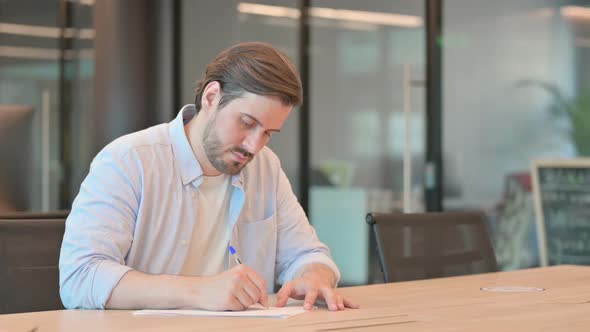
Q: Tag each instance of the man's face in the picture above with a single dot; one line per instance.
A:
(234, 134)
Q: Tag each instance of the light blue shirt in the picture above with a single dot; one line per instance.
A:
(136, 210)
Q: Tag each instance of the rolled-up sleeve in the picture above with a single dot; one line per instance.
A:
(298, 243)
(99, 231)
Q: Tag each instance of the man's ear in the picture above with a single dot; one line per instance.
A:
(211, 96)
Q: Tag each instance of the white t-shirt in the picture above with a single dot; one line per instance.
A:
(208, 253)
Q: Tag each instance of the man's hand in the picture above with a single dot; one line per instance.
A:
(234, 289)
(315, 282)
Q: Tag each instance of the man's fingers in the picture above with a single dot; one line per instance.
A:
(284, 293)
(252, 291)
(260, 284)
(241, 287)
(244, 298)
(331, 298)
(235, 304)
(349, 304)
(340, 301)
(310, 298)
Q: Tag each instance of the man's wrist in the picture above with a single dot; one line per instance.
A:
(187, 290)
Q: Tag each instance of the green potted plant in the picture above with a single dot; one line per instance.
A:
(576, 110)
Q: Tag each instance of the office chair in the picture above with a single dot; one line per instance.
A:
(29, 260)
(431, 245)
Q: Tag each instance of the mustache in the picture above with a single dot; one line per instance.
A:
(243, 152)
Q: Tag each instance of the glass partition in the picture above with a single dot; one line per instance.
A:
(513, 71)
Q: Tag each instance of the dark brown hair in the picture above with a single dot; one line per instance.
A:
(258, 68)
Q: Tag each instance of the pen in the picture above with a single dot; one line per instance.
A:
(232, 251)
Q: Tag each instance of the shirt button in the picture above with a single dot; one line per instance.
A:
(193, 194)
(183, 242)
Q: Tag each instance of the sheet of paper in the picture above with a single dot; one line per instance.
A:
(252, 311)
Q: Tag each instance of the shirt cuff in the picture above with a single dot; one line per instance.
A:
(107, 276)
(317, 258)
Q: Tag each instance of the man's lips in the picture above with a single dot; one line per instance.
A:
(240, 157)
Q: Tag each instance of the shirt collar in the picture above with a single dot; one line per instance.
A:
(190, 168)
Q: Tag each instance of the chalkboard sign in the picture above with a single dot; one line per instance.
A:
(561, 190)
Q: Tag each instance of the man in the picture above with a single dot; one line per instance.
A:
(155, 216)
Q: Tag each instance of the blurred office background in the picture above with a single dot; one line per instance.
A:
(74, 75)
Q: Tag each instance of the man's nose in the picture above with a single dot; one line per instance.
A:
(253, 142)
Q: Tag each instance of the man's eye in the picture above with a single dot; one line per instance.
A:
(246, 123)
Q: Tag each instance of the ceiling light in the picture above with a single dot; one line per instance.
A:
(357, 16)
(44, 31)
(575, 12)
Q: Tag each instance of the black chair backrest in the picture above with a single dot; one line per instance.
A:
(29, 264)
(58, 214)
(417, 246)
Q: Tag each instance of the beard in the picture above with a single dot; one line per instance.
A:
(215, 151)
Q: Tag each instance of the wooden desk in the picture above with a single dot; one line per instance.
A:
(448, 304)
